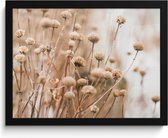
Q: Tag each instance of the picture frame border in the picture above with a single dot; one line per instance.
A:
(162, 5)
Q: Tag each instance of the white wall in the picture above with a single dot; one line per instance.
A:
(63, 131)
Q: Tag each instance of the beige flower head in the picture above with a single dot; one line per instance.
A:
(54, 82)
(138, 46)
(69, 95)
(116, 93)
(82, 82)
(79, 61)
(23, 49)
(120, 20)
(71, 44)
(69, 53)
(108, 69)
(30, 41)
(20, 58)
(55, 23)
(93, 37)
(66, 15)
(74, 35)
(77, 27)
(19, 33)
(117, 74)
(42, 77)
(99, 56)
(43, 48)
(46, 22)
(122, 92)
(97, 73)
(37, 51)
(94, 109)
(112, 60)
(88, 89)
(107, 75)
(156, 99)
(69, 81)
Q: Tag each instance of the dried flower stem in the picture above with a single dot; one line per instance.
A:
(154, 109)
(123, 107)
(110, 108)
(17, 82)
(91, 58)
(116, 31)
(18, 19)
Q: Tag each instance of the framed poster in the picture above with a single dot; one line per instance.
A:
(86, 63)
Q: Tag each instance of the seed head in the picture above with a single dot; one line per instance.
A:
(112, 60)
(69, 95)
(69, 53)
(156, 99)
(46, 23)
(82, 82)
(20, 58)
(69, 81)
(42, 77)
(54, 82)
(77, 27)
(79, 61)
(37, 51)
(43, 48)
(116, 93)
(71, 44)
(55, 23)
(108, 69)
(122, 92)
(66, 15)
(30, 41)
(23, 49)
(97, 73)
(107, 75)
(117, 74)
(138, 46)
(74, 35)
(88, 89)
(99, 56)
(120, 20)
(19, 33)
(93, 37)
(94, 109)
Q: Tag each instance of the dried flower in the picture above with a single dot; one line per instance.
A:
(37, 51)
(142, 72)
(19, 33)
(99, 56)
(122, 92)
(66, 14)
(55, 23)
(42, 77)
(77, 26)
(108, 69)
(74, 35)
(82, 82)
(156, 99)
(30, 41)
(54, 82)
(112, 60)
(23, 49)
(107, 75)
(69, 81)
(136, 69)
(138, 46)
(43, 48)
(94, 109)
(20, 58)
(46, 23)
(69, 53)
(69, 95)
(120, 20)
(117, 74)
(93, 37)
(71, 44)
(88, 89)
(116, 93)
(79, 61)
(97, 73)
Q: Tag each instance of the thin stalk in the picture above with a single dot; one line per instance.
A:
(110, 108)
(18, 19)
(17, 82)
(154, 109)
(116, 31)
(91, 58)
(123, 107)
